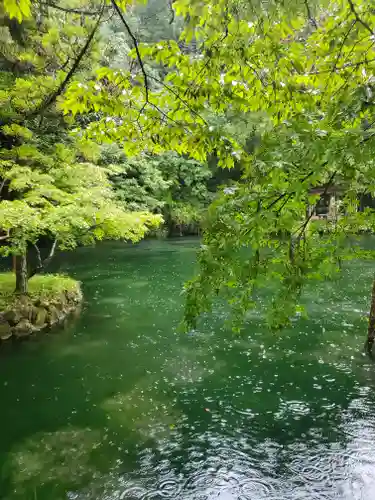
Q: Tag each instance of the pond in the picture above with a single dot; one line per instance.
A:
(121, 405)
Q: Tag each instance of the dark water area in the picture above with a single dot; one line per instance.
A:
(121, 405)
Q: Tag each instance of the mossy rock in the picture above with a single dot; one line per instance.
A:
(20, 311)
(26, 311)
(61, 302)
(73, 296)
(51, 299)
(13, 316)
(53, 316)
(39, 318)
(23, 329)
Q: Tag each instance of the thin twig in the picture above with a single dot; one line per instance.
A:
(279, 198)
(136, 47)
(170, 5)
(278, 211)
(212, 48)
(359, 19)
(342, 45)
(170, 89)
(344, 66)
(52, 98)
(309, 15)
(70, 11)
(302, 228)
(353, 23)
(39, 257)
(73, 69)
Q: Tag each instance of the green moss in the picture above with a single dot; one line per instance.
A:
(47, 287)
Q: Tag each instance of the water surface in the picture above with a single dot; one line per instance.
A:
(120, 405)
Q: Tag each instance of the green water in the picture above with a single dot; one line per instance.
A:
(119, 405)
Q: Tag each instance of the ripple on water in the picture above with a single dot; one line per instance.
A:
(209, 416)
(235, 471)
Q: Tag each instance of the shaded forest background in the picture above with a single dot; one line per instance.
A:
(178, 188)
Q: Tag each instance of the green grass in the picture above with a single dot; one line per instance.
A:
(43, 287)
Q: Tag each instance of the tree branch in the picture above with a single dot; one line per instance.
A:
(39, 257)
(342, 45)
(136, 47)
(70, 11)
(210, 51)
(186, 104)
(279, 198)
(170, 5)
(6, 236)
(301, 229)
(352, 24)
(42, 264)
(309, 15)
(52, 98)
(2, 186)
(359, 19)
(344, 66)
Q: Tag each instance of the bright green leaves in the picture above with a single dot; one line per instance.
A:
(73, 203)
(15, 130)
(286, 98)
(123, 4)
(46, 188)
(18, 9)
(245, 64)
(82, 98)
(269, 217)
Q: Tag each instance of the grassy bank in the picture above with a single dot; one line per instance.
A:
(43, 287)
(50, 300)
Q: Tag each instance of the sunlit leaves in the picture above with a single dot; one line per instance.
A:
(17, 131)
(71, 202)
(49, 184)
(18, 9)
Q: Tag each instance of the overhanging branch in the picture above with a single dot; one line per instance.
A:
(184, 102)
(70, 11)
(52, 98)
(283, 195)
(344, 66)
(136, 47)
(170, 5)
(359, 19)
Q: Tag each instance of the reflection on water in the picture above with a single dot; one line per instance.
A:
(122, 406)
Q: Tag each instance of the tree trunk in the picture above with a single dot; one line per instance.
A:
(21, 275)
(371, 323)
(42, 264)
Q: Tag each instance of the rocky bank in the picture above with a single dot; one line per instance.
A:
(27, 315)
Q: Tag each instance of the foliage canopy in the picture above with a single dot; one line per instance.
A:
(50, 186)
(303, 70)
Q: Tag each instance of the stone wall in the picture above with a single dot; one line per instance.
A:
(27, 316)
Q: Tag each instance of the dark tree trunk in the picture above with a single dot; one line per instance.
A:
(371, 323)
(21, 275)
